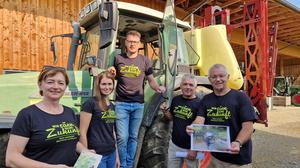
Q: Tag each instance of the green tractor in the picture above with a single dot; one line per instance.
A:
(105, 25)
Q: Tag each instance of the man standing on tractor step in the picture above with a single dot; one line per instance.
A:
(231, 108)
(130, 69)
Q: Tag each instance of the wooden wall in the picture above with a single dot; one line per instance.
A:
(25, 28)
(289, 66)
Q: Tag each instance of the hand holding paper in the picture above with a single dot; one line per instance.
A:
(88, 159)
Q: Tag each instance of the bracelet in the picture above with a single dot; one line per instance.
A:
(238, 142)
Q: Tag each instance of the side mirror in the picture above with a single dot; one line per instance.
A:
(54, 51)
(108, 22)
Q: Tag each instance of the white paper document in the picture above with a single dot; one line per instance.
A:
(88, 160)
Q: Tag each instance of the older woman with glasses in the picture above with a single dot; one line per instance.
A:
(45, 134)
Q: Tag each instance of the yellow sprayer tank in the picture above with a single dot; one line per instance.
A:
(211, 44)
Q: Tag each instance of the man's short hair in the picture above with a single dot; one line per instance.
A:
(189, 76)
(217, 66)
(133, 33)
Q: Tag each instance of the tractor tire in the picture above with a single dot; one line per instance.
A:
(4, 135)
(154, 153)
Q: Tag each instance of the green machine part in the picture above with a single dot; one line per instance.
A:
(20, 90)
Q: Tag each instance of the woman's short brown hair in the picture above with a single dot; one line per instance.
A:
(49, 71)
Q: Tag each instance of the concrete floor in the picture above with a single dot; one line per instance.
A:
(278, 145)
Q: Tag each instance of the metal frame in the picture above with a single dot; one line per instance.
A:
(256, 55)
(260, 56)
(273, 56)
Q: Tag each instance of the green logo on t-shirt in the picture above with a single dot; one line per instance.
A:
(218, 114)
(130, 70)
(63, 132)
(183, 112)
(109, 116)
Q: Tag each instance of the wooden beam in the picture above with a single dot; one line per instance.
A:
(191, 8)
(228, 3)
(292, 50)
(236, 17)
(289, 50)
(177, 2)
(235, 10)
(278, 13)
(186, 4)
(291, 33)
(288, 30)
(194, 8)
(276, 9)
(272, 7)
(292, 39)
(287, 23)
(281, 17)
(287, 8)
(272, 3)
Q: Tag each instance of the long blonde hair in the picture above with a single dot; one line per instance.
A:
(99, 97)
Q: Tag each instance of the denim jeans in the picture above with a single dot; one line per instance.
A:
(108, 161)
(129, 118)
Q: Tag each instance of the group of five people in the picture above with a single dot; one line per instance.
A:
(46, 134)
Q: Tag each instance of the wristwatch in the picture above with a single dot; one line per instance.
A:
(238, 142)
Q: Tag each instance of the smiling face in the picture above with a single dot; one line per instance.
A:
(53, 87)
(218, 77)
(106, 86)
(132, 43)
(188, 88)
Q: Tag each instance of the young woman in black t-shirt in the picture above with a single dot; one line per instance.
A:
(97, 120)
(45, 134)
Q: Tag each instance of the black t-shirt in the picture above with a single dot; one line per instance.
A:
(131, 73)
(100, 135)
(52, 138)
(184, 112)
(231, 110)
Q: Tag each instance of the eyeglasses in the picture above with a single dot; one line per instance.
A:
(49, 67)
(133, 42)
